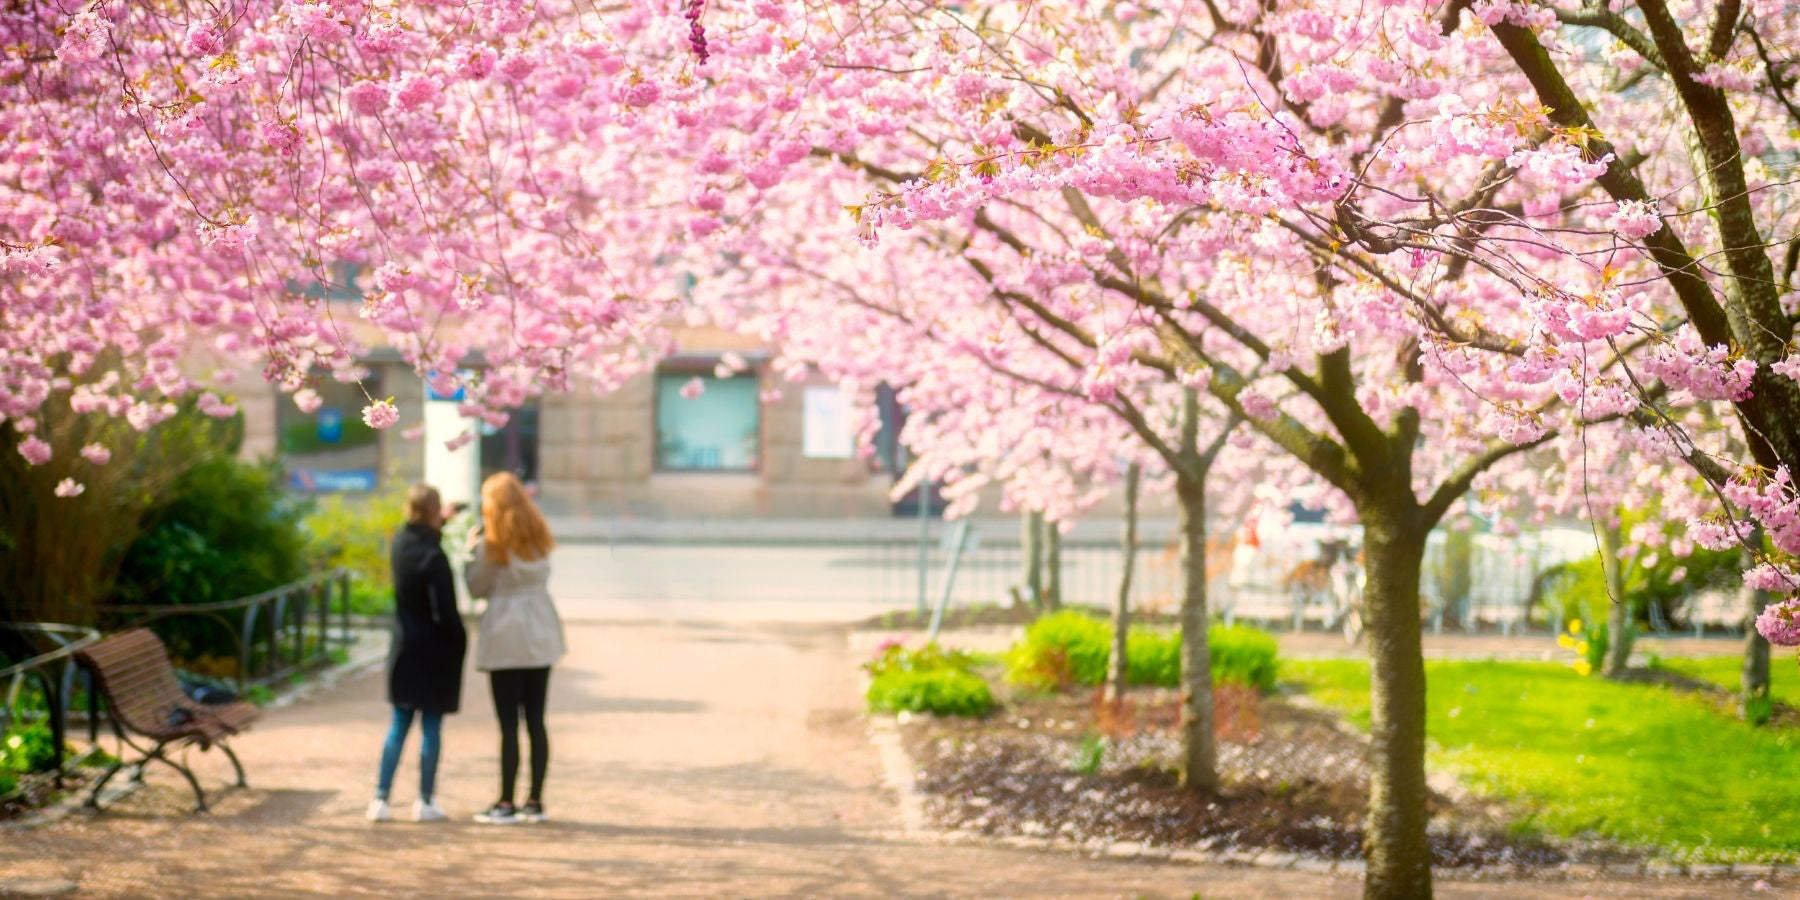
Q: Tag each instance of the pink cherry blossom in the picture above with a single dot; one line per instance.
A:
(1634, 220)
(1780, 622)
(69, 487)
(35, 450)
(380, 414)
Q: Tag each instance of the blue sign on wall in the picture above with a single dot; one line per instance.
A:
(331, 425)
(456, 397)
(331, 480)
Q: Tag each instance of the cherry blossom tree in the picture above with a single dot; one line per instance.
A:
(1270, 187)
(1401, 241)
(192, 174)
(996, 399)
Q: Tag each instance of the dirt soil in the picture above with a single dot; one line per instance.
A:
(1294, 782)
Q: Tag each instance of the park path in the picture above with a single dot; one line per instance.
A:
(688, 759)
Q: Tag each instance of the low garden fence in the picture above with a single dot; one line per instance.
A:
(48, 666)
(1496, 587)
(267, 637)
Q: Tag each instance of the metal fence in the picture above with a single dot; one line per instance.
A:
(272, 635)
(1490, 585)
(51, 665)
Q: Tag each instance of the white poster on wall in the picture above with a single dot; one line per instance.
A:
(826, 433)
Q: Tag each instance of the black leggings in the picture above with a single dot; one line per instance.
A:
(514, 688)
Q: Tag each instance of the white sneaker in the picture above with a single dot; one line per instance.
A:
(427, 812)
(378, 811)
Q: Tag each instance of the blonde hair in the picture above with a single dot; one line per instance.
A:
(422, 502)
(512, 523)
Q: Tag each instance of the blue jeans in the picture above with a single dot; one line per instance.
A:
(430, 724)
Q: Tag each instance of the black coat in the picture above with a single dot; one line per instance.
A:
(425, 660)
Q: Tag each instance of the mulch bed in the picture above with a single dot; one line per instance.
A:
(1293, 781)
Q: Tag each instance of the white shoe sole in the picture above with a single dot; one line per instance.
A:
(492, 820)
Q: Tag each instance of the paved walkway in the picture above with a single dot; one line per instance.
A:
(688, 760)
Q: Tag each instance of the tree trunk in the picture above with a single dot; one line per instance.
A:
(1053, 567)
(1122, 606)
(1619, 620)
(1032, 552)
(1755, 676)
(1199, 758)
(1399, 859)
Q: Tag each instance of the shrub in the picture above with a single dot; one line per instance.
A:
(353, 531)
(1244, 655)
(30, 748)
(929, 679)
(59, 556)
(1153, 657)
(228, 530)
(1059, 650)
(1069, 648)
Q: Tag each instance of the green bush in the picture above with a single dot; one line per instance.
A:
(30, 748)
(1579, 591)
(1244, 655)
(228, 530)
(368, 599)
(1071, 648)
(1059, 650)
(1153, 657)
(928, 679)
(8, 783)
(353, 531)
(59, 556)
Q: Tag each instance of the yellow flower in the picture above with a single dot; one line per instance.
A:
(1566, 642)
(1574, 626)
(1582, 648)
(1582, 668)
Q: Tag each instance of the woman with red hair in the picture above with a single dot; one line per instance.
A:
(520, 637)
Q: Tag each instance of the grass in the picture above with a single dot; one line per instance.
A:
(1724, 672)
(1639, 764)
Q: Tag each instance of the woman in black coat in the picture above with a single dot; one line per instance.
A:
(425, 659)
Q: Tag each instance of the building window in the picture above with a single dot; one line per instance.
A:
(718, 428)
(827, 428)
(330, 449)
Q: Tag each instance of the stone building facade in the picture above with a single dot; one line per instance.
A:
(678, 443)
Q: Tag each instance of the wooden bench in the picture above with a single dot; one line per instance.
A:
(132, 671)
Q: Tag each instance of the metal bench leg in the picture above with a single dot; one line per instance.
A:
(234, 763)
(199, 795)
(93, 797)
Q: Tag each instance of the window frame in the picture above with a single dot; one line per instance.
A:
(703, 367)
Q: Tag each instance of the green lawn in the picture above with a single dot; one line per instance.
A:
(1784, 685)
(1635, 763)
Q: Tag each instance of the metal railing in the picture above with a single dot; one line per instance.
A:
(1495, 591)
(274, 634)
(54, 670)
